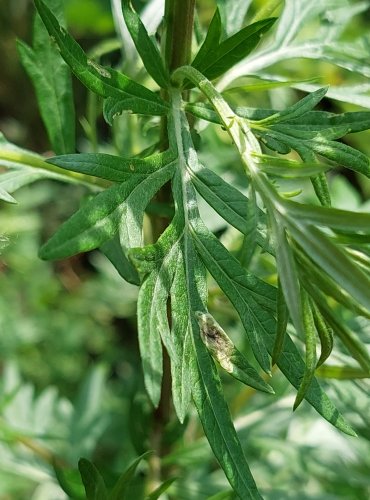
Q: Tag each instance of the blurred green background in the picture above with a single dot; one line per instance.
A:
(71, 381)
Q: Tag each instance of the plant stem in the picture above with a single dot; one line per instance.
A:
(178, 22)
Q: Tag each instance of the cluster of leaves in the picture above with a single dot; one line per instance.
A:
(45, 427)
(320, 251)
(291, 42)
(46, 421)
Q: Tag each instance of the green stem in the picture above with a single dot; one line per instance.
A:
(179, 20)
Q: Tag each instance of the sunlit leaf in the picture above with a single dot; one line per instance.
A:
(300, 108)
(100, 218)
(223, 56)
(243, 290)
(110, 167)
(104, 81)
(212, 39)
(146, 47)
(310, 344)
(52, 82)
(282, 317)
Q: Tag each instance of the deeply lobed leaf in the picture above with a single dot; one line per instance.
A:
(100, 218)
(104, 81)
(52, 82)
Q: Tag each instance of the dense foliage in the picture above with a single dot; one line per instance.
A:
(279, 260)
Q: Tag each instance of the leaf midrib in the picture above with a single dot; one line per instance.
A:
(248, 290)
(241, 474)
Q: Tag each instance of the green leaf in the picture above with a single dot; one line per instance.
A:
(206, 387)
(361, 257)
(113, 251)
(206, 112)
(152, 316)
(303, 141)
(334, 261)
(70, 482)
(202, 111)
(325, 334)
(291, 133)
(343, 155)
(342, 372)
(87, 421)
(275, 145)
(104, 81)
(217, 424)
(165, 264)
(310, 343)
(249, 295)
(145, 46)
(263, 84)
(158, 492)
(290, 361)
(223, 495)
(52, 82)
(55, 104)
(282, 167)
(181, 332)
(227, 355)
(15, 179)
(316, 121)
(95, 223)
(228, 201)
(287, 272)
(233, 49)
(346, 238)
(113, 168)
(5, 196)
(94, 484)
(321, 188)
(353, 344)
(27, 167)
(297, 110)
(303, 31)
(120, 206)
(282, 317)
(113, 107)
(326, 284)
(292, 366)
(191, 281)
(212, 39)
(120, 489)
(251, 235)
